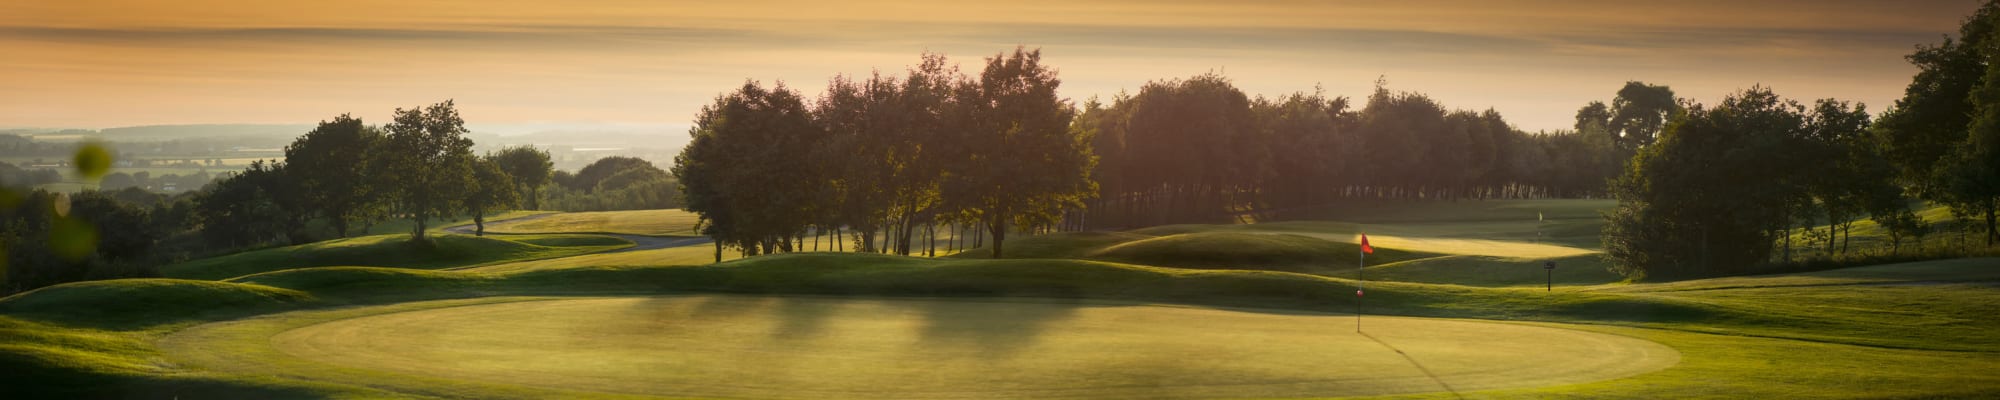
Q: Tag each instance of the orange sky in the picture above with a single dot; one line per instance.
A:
(101, 63)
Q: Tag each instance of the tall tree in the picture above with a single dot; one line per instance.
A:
(1714, 193)
(746, 172)
(330, 164)
(1023, 165)
(1929, 123)
(1639, 112)
(492, 190)
(428, 163)
(530, 169)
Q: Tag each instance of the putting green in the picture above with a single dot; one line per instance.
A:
(810, 347)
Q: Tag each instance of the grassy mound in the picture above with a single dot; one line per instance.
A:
(392, 250)
(671, 222)
(1056, 245)
(144, 301)
(1493, 271)
(1229, 250)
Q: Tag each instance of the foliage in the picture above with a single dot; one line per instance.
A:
(1724, 187)
(1019, 163)
(530, 169)
(330, 165)
(429, 170)
(492, 190)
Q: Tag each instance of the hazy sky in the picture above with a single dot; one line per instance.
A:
(106, 63)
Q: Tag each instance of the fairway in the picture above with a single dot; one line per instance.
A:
(809, 347)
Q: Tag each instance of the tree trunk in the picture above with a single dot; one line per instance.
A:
(999, 228)
(479, 224)
(1991, 233)
(418, 235)
(718, 251)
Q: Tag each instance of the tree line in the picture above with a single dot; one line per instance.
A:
(1197, 150)
(1740, 186)
(890, 155)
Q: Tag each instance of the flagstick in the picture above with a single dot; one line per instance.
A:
(1360, 276)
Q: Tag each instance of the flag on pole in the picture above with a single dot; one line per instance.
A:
(1364, 245)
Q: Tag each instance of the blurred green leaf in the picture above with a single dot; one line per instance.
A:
(72, 239)
(8, 198)
(92, 161)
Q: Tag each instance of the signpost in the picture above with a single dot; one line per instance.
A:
(1551, 268)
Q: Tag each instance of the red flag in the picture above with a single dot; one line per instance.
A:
(1364, 245)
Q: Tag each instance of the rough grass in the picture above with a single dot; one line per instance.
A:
(394, 250)
(671, 222)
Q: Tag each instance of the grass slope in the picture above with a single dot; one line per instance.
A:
(1203, 250)
(671, 222)
(394, 250)
(1490, 271)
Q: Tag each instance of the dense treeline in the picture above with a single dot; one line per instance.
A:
(1743, 185)
(888, 155)
(1724, 188)
(1199, 149)
(344, 172)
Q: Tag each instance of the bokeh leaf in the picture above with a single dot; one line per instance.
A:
(72, 239)
(92, 161)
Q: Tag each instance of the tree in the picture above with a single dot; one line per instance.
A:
(530, 168)
(330, 164)
(1639, 112)
(492, 189)
(1931, 120)
(1714, 193)
(1023, 165)
(746, 172)
(243, 210)
(427, 164)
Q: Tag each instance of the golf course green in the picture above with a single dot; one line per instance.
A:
(1257, 311)
(817, 347)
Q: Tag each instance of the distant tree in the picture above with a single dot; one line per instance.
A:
(1394, 128)
(1639, 112)
(530, 168)
(331, 166)
(427, 166)
(588, 178)
(1023, 165)
(1193, 143)
(115, 181)
(492, 189)
(1595, 114)
(242, 210)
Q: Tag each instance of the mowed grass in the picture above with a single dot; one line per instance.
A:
(919, 348)
(1933, 333)
(670, 222)
(395, 250)
(1200, 249)
(1915, 330)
